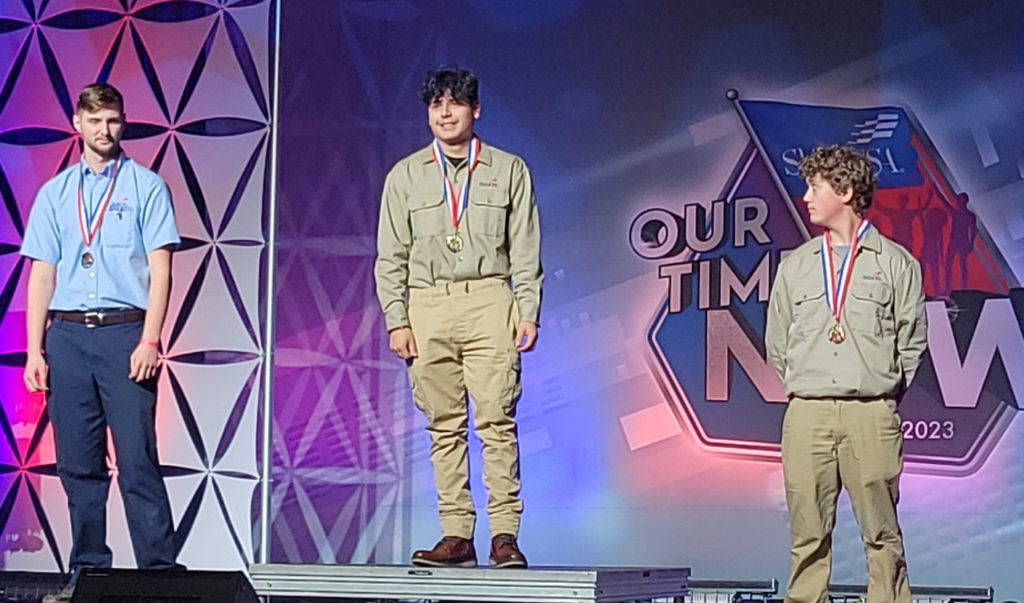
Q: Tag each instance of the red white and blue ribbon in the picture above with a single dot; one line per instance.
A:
(457, 204)
(838, 285)
(90, 225)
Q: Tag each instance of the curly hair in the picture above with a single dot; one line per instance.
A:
(460, 83)
(844, 168)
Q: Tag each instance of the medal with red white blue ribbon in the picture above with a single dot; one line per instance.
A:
(90, 225)
(838, 285)
(457, 205)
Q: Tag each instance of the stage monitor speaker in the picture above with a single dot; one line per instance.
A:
(162, 586)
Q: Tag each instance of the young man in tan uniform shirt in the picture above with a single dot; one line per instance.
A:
(459, 277)
(846, 331)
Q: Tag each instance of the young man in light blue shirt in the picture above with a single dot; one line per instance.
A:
(100, 236)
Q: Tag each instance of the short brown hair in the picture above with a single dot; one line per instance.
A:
(99, 96)
(845, 168)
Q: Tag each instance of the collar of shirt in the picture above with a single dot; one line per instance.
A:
(106, 171)
(871, 241)
(427, 155)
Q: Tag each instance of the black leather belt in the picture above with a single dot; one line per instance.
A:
(100, 318)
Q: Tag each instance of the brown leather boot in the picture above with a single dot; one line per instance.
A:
(451, 551)
(505, 552)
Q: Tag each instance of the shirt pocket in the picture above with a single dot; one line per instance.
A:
(810, 312)
(120, 227)
(429, 216)
(869, 309)
(488, 212)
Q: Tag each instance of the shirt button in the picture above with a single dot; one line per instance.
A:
(835, 354)
(833, 379)
(460, 258)
(92, 274)
(92, 295)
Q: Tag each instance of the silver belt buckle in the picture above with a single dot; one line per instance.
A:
(93, 319)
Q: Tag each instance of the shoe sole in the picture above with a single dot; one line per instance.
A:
(509, 565)
(428, 563)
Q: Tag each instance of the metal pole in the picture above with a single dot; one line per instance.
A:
(266, 474)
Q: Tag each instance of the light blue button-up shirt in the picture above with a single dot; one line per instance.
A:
(139, 220)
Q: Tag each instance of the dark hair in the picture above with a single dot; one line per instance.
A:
(844, 168)
(99, 96)
(460, 83)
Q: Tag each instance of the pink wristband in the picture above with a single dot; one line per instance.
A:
(153, 344)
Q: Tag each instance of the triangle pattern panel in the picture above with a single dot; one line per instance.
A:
(175, 50)
(245, 261)
(254, 19)
(13, 272)
(237, 496)
(21, 411)
(144, 151)
(33, 101)
(26, 169)
(246, 223)
(214, 323)
(79, 52)
(174, 442)
(211, 543)
(27, 544)
(212, 391)
(181, 490)
(55, 534)
(11, 44)
(127, 75)
(225, 160)
(184, 270)
(238, 456)
(222, 78)
(44, 452)
(186, 212)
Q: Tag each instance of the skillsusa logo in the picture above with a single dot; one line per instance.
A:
(717, 260)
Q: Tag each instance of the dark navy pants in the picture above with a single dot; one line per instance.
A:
(89, 392)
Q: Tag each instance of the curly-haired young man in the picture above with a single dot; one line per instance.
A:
(846, 331)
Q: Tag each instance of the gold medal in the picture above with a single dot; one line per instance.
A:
(454, 242)
(836, 334)
(458, 204)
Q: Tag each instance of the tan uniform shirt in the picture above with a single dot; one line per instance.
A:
(500, 230)
(883, 319)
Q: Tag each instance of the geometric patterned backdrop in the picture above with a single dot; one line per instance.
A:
(344, 428)
(196, 80)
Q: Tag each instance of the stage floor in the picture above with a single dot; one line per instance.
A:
(534, 585)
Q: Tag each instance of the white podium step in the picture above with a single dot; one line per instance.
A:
(534, 585)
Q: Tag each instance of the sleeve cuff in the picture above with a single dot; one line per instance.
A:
(34, 254)
(528, 312)
(396, 319)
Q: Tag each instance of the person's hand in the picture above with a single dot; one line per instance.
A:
(526, 335)
(35, 373)
(143, 362)
(402, 343)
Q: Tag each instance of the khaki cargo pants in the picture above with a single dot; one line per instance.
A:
(828, 444)
(465, 334)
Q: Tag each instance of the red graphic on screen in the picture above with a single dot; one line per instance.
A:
(934, 223)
